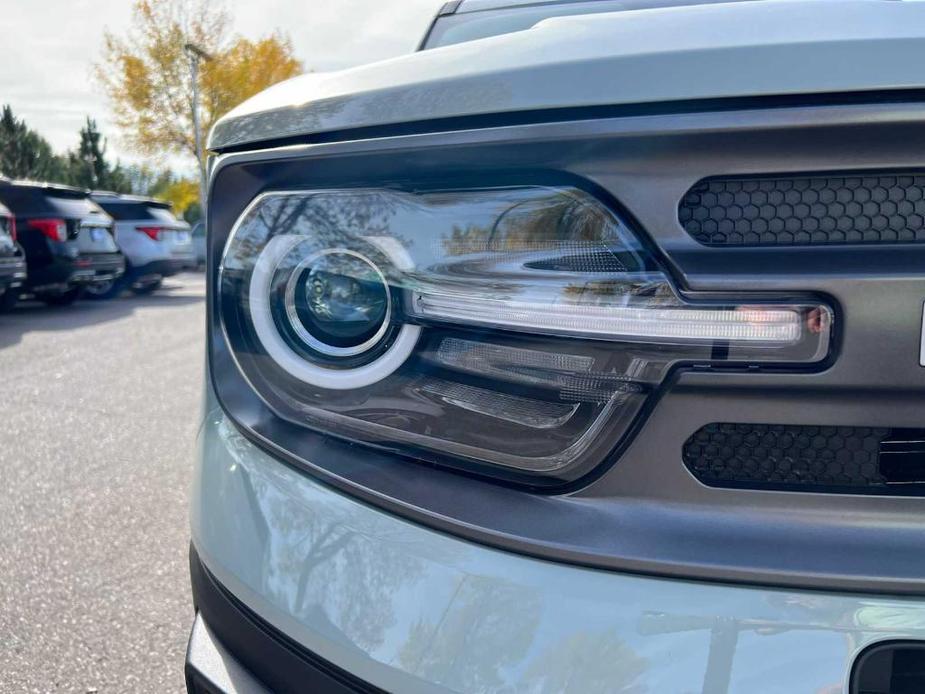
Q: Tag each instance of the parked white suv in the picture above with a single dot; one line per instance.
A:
(156, 244)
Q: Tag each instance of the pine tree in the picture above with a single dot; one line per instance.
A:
(88, 163)
(26, 154)
(88, 167)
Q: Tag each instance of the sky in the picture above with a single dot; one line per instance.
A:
(51, 45)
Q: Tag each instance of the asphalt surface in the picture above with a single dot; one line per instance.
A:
(98, 414)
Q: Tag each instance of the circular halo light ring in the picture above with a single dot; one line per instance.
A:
(283, 354)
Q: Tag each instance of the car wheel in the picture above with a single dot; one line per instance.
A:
(64, 298)
(8, 300)
(105, 290)
(142, 288)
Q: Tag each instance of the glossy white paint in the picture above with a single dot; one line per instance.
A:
(414, 610)
(140, 249)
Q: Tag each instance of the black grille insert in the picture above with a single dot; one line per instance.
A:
(890, 668)
(806, 210)
(860, 460)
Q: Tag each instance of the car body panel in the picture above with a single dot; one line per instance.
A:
(88, 254)
(12, 259)
(13, 272)
(672, 525)
(386, 599)
(703, 52)
(142, 250)
(7, 240)
(170, 253)
(459, 592)
(198, 233)
(94, 237)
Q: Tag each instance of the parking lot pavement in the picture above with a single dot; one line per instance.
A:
(98, 413)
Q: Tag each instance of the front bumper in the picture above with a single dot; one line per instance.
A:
(210, 668)
(166, 267)
(266, 656)
(403, 608)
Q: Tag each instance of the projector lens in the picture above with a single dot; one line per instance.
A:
(338, 302)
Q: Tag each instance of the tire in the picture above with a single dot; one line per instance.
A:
(147, 287)
(105, 290)
(8, 300)
(63, 299)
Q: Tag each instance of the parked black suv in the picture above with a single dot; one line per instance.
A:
(66, 237)
(12, 261)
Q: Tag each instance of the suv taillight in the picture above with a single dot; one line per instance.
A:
(152, 232)
(55, 229)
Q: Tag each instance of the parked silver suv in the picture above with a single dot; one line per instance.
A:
(584, 358)
(156, 244)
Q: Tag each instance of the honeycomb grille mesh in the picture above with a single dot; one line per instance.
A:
(806, 210)
(776, 456)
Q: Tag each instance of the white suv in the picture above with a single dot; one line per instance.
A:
(156, 244)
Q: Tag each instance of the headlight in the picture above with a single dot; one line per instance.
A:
(517, 329)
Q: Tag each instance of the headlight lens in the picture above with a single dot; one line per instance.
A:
(516, 329)
(338, 302)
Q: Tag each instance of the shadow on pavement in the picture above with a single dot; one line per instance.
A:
(34, 316)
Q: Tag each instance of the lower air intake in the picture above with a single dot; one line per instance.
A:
(828, 209)
(860, 460)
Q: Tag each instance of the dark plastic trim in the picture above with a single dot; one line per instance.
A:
(857, 669)
(507, 5)
(807, 228)
(269, 655)
(447, 9)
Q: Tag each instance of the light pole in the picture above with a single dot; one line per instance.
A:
(197, 54)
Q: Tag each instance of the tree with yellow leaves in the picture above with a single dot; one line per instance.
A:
(181, 194)
(146, 73)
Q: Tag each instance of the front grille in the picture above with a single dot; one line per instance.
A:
(891, 667)
(806, 210)
(808, 458)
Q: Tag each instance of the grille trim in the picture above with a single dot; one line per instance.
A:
(860, 460)
(806, 210)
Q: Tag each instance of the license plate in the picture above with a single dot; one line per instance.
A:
(182, 237)
(97, 234)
